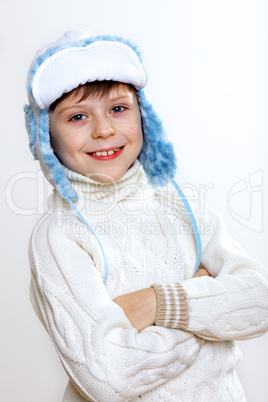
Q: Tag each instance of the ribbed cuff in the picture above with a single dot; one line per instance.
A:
(172, 310)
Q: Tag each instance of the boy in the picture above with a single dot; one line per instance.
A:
(114, 259)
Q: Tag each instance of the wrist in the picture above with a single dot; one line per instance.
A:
(171, 306)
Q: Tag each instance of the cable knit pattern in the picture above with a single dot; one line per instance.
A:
(148, 239)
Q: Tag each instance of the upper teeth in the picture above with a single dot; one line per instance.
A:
(105, 153)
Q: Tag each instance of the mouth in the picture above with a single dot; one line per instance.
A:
(107, 154)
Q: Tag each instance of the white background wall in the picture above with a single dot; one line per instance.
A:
(207, 65)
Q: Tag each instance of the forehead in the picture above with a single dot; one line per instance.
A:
(97, 91)
(78, 98)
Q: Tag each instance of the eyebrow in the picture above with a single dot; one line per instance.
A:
(116, 98)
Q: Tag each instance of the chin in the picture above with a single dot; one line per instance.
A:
(105, 178)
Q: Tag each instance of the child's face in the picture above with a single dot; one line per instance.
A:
(98, 138)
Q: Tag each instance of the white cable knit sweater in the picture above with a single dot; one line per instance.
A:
(147, 239)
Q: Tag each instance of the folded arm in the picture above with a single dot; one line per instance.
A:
(140, 307)
(104, 355)
(229, 303)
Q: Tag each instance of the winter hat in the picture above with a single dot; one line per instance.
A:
(76, 58)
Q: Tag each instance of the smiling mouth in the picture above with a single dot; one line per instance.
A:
(103, 155)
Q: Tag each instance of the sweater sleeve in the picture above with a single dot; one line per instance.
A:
(231, 305)
(104, 356)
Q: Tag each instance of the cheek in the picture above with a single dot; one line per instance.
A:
(135, 132)
(139, 137)
(135, 136)
(64, 142)
(66, 153)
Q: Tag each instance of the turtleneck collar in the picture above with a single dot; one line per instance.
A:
(90, 189)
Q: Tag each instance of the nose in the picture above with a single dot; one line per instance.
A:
(103, 127)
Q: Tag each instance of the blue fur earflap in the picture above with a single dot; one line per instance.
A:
(157, 155)
(31, 126)
(41, 148)
(49, 162)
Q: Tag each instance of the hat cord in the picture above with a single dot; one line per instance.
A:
(96, 237)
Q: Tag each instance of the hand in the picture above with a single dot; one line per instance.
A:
(139, 307)
(201, 272)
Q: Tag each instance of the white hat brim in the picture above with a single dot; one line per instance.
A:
(70, 67)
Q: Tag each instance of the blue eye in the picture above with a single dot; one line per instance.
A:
(117, 109)
(78, 117)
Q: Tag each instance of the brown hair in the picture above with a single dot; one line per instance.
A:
(96, 90)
